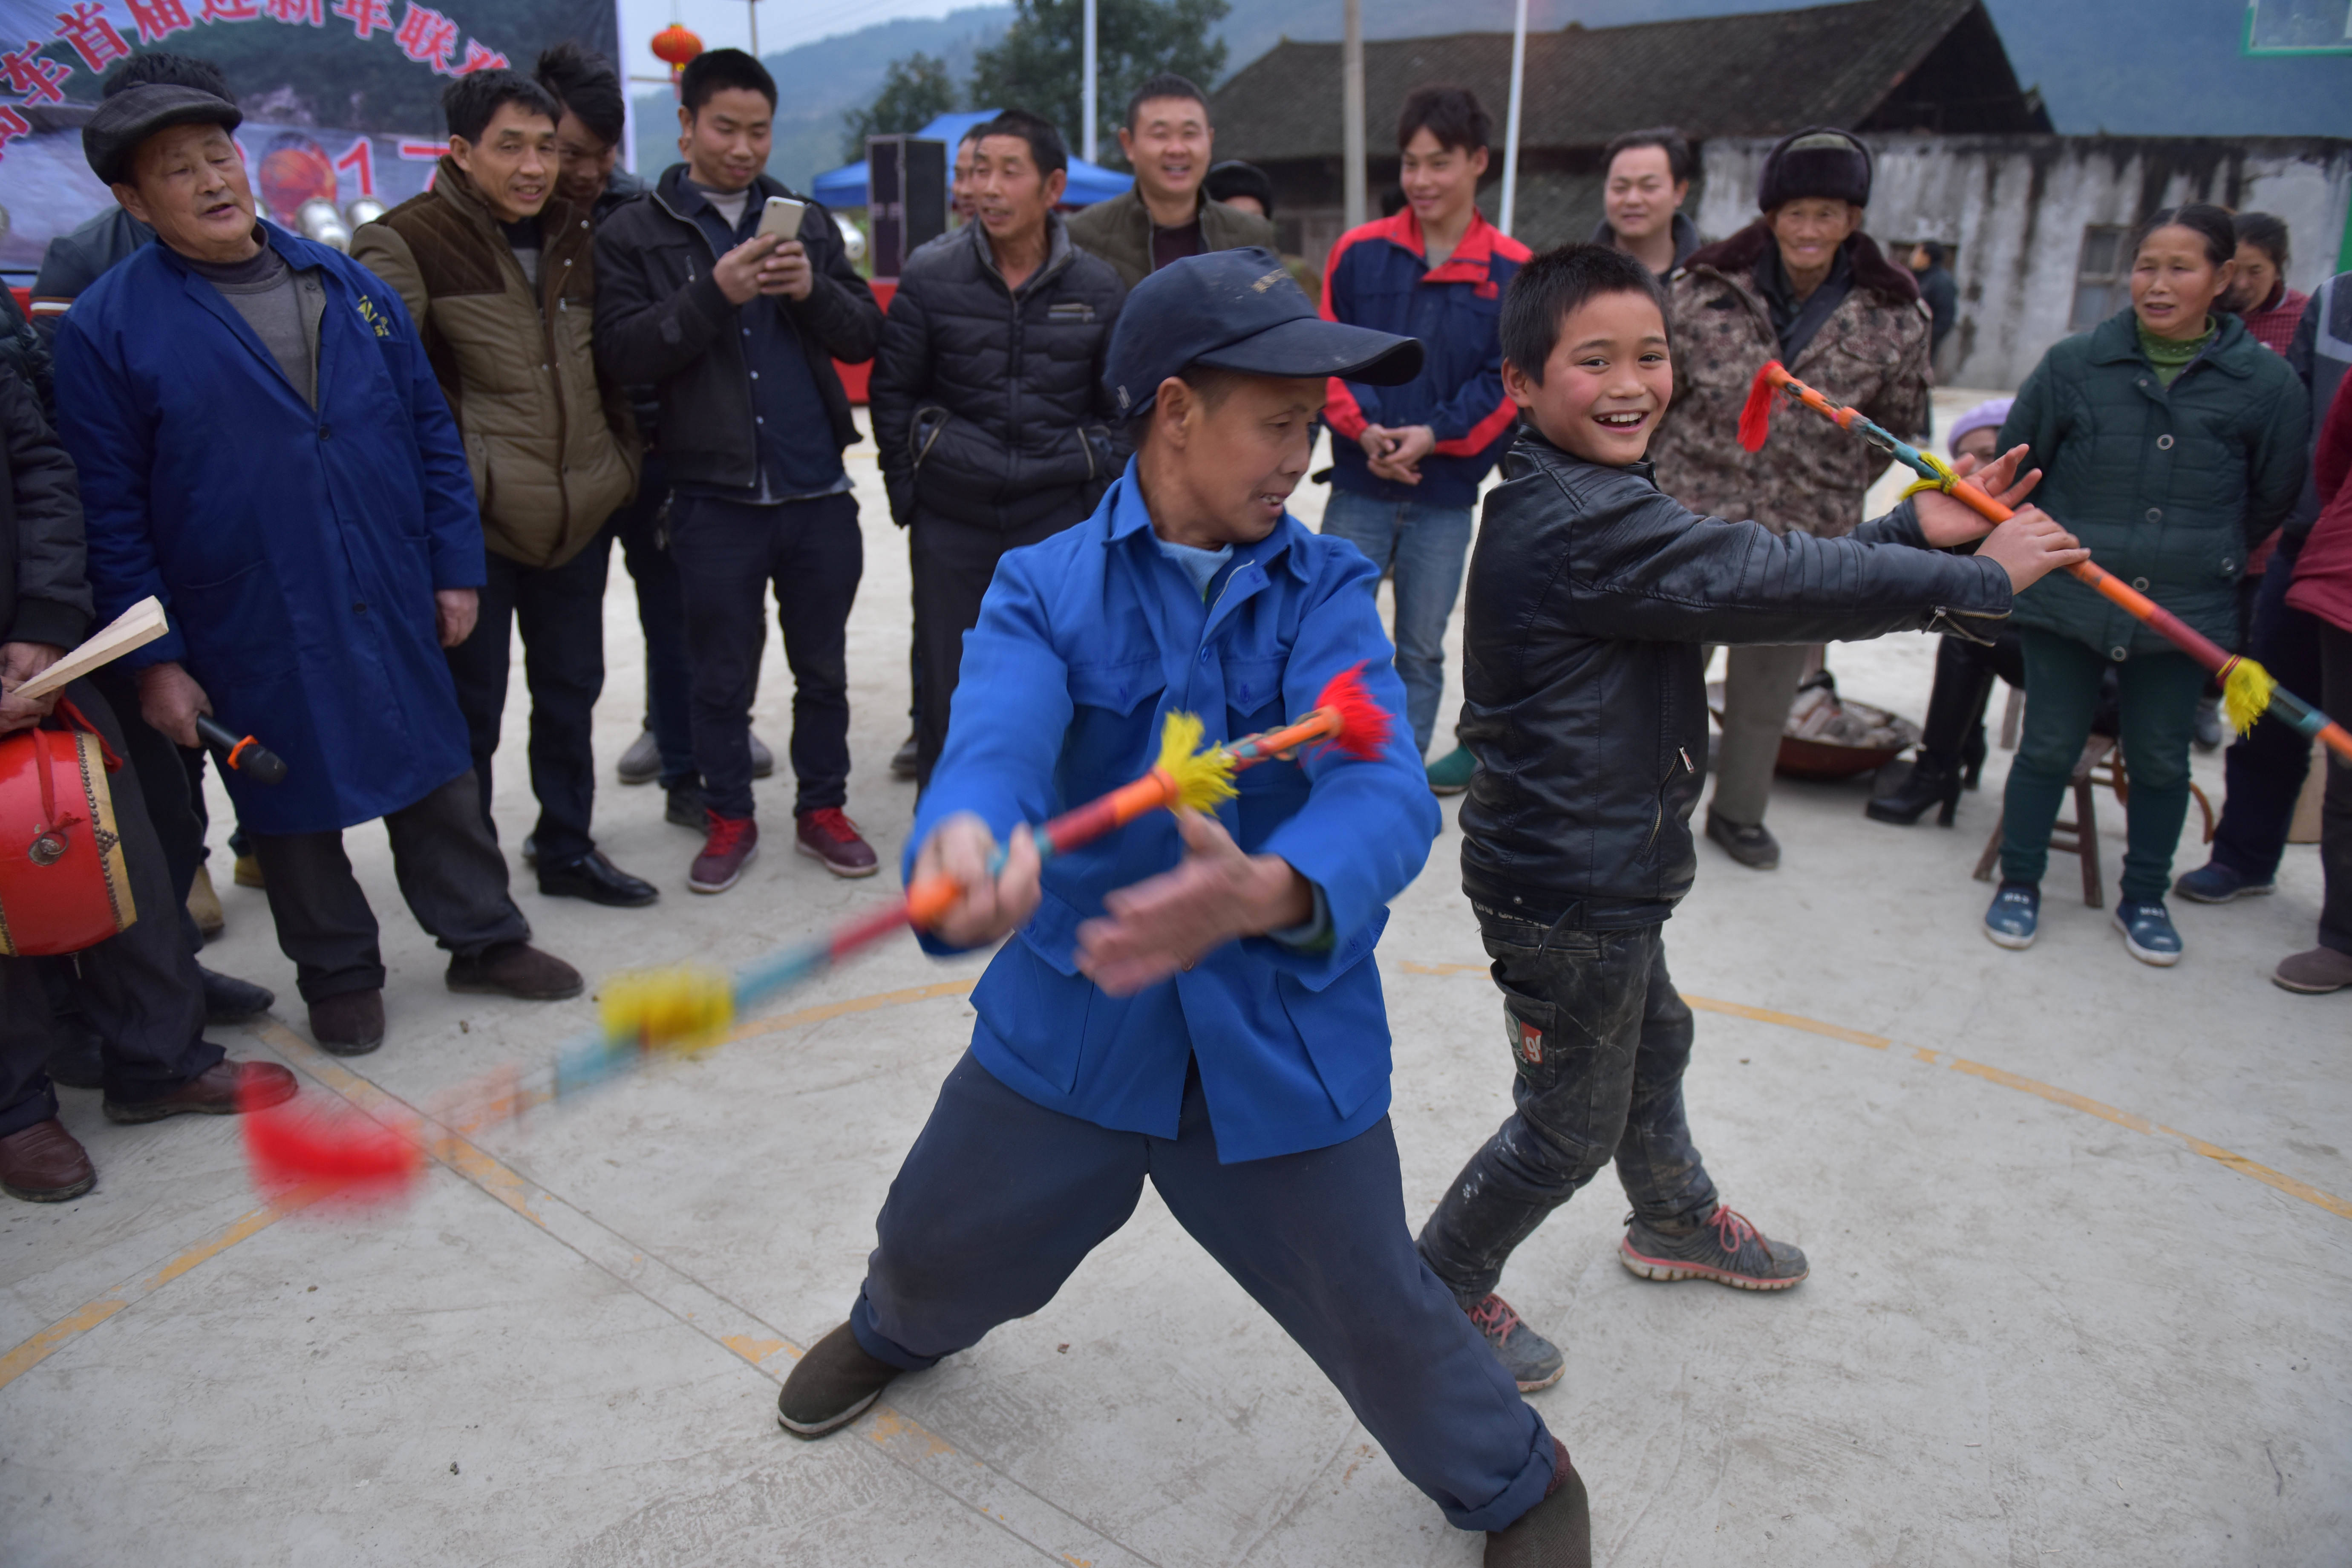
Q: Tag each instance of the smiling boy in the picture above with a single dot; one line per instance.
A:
(1590, 592)
(1191, 999)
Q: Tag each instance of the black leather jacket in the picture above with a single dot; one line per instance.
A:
(662, 322)
(44, 587)
(988, 403)
(1591, 594)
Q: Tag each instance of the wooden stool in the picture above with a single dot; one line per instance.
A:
(2101, 763)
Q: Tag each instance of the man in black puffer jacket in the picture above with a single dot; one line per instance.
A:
(1591, 593)
(989, 408)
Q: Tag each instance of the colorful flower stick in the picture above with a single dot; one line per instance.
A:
(685, 1009)
(2248, 691)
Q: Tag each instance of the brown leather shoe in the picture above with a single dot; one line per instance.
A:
(223, 1089)
(43, 1164)
(515, 969)
(350, 1024)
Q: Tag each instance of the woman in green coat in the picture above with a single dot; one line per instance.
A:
(2170, 441)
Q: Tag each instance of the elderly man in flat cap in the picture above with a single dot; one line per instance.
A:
(263, 446)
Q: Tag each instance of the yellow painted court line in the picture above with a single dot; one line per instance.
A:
(444, 1145)
(2279, 1180)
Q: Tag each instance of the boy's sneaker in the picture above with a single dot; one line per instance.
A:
(1533, 1361)
(1450, 774)
(2148, 931)
(2214, 883)
(1723, 1248)
(2313, 973)
(832, 1385)
(827, 834)
(2015, 914)
(1555, 1534)
(732, 845)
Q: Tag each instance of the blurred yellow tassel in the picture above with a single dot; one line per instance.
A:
(1202, 778)
(2246, 693)
(686, 1008)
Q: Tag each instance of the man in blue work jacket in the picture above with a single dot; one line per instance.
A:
(1190, 998)
(264, 449)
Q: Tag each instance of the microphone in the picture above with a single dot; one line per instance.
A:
(243, 752)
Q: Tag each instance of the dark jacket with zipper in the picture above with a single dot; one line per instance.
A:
(2170, 488)
(988, 402)
(44, 582)
(661, 320)
(1590, 591)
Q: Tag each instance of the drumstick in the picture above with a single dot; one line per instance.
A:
(135, 627)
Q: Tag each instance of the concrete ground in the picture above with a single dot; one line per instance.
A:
(2080, 1235)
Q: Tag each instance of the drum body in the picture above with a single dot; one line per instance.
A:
(63, 887)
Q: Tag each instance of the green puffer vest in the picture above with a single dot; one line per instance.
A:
(2170, 488)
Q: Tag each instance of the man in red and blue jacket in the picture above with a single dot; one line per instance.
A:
(1409, 459)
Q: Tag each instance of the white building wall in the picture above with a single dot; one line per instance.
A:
(2013, 209)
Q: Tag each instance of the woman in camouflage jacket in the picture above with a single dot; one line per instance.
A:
(1803, 285)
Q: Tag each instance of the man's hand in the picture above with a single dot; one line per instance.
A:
(989, 907)
(454, 612)
(170, 699)
(20, 662)
(1165, 923)
(2030, 546)
(1945, 522)
(737, 272)
(787, 273)
(1395, 454)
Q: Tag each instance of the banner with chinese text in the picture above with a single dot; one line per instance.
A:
(342, 98)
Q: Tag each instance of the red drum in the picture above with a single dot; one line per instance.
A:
(62, 883)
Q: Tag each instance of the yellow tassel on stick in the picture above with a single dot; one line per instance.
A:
(1202, 778)
(686, 1008)
(2246, 693)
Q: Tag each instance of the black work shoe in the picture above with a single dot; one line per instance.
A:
(1723, 1248)
(228, 1000)
(1753, 847)
(832, 1385)
(685, 807)
(905, 760)
(348, 1023)
(1533, 1361)
(1555, 1534)
(598, 880)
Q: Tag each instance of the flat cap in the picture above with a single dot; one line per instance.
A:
(135, 114)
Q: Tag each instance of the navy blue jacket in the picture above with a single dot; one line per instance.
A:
(1379, 278)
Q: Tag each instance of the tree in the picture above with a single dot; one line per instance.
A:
(915, 91)
(1036, 66)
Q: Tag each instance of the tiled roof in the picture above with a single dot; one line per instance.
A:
(1760, 74)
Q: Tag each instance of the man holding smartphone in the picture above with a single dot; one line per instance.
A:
(737, 329)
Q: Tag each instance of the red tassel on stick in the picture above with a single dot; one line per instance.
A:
(1363, 722)
(1756, 417)
(304, 1159)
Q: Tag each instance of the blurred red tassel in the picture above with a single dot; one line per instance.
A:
(1756, 418)
(1364, 724)
(348, 1159)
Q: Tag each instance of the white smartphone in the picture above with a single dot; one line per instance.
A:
(782, 218)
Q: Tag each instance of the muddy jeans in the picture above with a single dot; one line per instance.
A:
(1599, 1039)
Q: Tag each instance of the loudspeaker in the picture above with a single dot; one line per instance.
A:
(907, 196)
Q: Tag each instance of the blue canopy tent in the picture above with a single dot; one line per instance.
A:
(1090, 182)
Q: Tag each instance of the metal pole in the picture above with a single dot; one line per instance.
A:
(753, 6)
(1511, 134)
(1086, 93)
(1351, 106)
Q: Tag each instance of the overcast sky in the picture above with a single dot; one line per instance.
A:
(783, 23)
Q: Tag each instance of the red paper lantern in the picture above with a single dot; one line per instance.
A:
(674, 46)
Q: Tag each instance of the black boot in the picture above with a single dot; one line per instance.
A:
(832, 1385)
(1972, 758)
(1932, 781)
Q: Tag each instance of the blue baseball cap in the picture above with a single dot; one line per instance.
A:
(1240, 311)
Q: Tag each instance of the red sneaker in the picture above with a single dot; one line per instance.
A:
(828, 835)
(732, 845)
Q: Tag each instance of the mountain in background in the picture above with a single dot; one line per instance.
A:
(2132, 68)
(817, 83)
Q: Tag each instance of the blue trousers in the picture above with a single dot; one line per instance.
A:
(1001, 1198)
(1427, 547)
(2265, 767)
